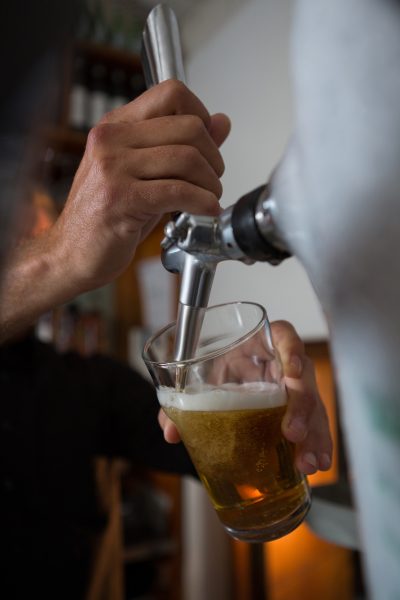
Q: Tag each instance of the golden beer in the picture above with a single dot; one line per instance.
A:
(241, 456)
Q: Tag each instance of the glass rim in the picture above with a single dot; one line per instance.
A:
(213, 353)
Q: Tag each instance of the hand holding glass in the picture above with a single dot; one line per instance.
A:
(227, 404)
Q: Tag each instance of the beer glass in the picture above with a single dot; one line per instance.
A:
(227, 403)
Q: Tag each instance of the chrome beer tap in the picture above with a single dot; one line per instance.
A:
(162, 60)
(194, 245)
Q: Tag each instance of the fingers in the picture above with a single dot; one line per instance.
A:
(170, 97)
(316, 450)
(172, 162)
(153, 156)
(306, 423)
(290, 348)
(175, 130)
(219, 128)
(164, 151)
(148, 199)
(171, 434)
(170, 113)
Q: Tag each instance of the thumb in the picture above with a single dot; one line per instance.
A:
(290, 348)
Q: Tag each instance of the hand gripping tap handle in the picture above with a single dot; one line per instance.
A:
(162, 60)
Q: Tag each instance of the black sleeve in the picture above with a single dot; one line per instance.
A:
(130, 425)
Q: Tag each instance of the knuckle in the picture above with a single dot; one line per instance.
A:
(173, 90)
(99, 136)
(210, 204)
(175, 189)
(190, 157)
(106, 164)
(103, 152)
(190, 154)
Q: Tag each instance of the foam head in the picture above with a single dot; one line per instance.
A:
(229, 396)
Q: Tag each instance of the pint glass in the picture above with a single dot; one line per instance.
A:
(227, 403)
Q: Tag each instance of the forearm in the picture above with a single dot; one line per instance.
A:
(128, 178)
(36, 278)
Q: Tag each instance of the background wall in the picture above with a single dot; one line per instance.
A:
(237, 61)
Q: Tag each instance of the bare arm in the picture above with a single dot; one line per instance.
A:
(155, 155)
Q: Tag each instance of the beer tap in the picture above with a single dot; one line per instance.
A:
(162, 60)
(194, 245)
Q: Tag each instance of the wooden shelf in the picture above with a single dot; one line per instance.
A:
(109, 54)
(64, 139)
(150, 550)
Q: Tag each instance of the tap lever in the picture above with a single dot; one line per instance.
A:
(161, 47)
(244, 231)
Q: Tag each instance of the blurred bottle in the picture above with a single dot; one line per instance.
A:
(65, 332)
(133, 35)
(85, 27)
(93, 333)
(125, 27)
(101, 31)
(44, 329)
(79, 94)
(98, 101)
(118, 37)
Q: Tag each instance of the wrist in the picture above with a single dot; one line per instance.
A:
(37, 278)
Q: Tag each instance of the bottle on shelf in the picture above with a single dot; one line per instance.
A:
(101, 31)
(118, 39)
(79, 94)
(98, 101)
(85, 25)
(125, 28)
(133, 35)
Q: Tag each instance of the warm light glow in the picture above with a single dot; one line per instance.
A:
(44, 213)
(301, 565)
(248, 492)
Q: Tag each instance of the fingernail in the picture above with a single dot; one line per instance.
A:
(296, 365)
(311, 459)
(298, 427)
(324, 462)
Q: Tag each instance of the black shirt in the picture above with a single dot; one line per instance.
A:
(57, 414)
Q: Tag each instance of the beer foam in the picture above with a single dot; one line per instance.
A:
(229, 396)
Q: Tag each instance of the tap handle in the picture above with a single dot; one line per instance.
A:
(161, 47)
(161, 50)
(161, 60)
